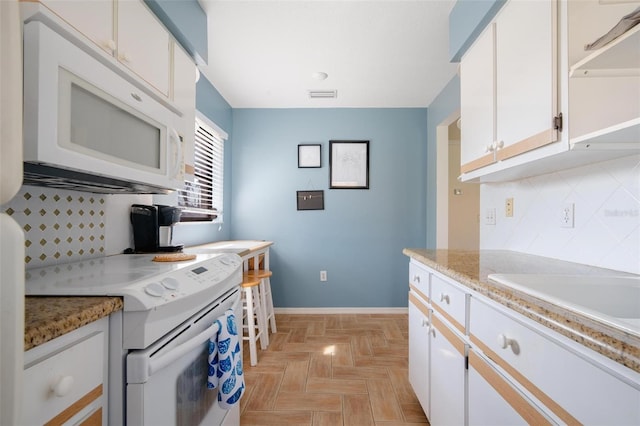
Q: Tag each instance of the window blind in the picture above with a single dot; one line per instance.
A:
(202, 199)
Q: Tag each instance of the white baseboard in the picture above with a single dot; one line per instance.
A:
(312, 311)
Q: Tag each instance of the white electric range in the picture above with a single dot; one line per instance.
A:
(162, 332)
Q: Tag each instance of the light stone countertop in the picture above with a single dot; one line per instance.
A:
(49, 317)
(471, 268)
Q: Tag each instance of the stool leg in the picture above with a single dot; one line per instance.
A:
(263, 330)
(251, 329)
(264, 339)
(271, 316)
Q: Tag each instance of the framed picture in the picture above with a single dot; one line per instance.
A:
(349, 164)
(309, 155)
(310, 200)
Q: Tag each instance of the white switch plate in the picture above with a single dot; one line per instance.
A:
(566, 216)
(490, 216)
(323, 275)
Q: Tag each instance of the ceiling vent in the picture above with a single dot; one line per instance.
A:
(323, 94)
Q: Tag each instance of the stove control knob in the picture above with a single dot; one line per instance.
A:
(154, 289)
(170, 283)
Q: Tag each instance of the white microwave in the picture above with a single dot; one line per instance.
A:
(86, 127)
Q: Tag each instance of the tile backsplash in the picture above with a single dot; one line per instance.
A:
(62, 226)
(606, 200)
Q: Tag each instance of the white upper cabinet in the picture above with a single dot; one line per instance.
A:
(509, 91)
(93, 18)
(477, 85)
(184, 97)
(534, 101)
(143, 44)
(125, 29)
(526, 89)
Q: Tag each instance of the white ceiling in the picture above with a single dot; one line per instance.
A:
(391, 53)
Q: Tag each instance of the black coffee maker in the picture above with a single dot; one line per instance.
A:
(153, 228)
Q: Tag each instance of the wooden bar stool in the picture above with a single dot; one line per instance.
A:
(254, 317)
(267, 299)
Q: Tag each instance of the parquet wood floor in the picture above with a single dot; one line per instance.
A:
(342, 369)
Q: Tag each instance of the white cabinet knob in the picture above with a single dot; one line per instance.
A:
(110, 45)
(425, 322)
(489, 148)
(445, 298)
(504, 342)
(500, 145)
(62, 386)
(416, 278)
(122, 57)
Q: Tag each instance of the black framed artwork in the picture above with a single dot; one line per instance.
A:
(310, 200)
(309, 156)
(348, 164)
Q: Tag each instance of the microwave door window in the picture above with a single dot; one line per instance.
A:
(103, 127)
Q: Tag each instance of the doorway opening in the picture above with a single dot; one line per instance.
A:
(457, 203)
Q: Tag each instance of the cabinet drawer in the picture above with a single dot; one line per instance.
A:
(79, 371)
(572, 388)
(419, 280)
(450, 302)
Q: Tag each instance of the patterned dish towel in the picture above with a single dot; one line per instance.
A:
(225, 362)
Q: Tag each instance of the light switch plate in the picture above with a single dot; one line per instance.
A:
(490, 216)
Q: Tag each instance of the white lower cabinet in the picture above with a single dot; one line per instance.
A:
(447, 378)
(65, 378)
(419, 327)
(505, 369)
(573, 386)
(493, 400)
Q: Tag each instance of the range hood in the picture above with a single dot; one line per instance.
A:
(39, 174)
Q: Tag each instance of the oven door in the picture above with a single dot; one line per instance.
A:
(167, 382)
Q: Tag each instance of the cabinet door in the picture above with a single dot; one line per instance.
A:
(92, 18)
(65, 378)
(143, 44)
(184, 96)
(526, 51)
(447, 375)
(494, 401)
(419, 351)
(477, 105)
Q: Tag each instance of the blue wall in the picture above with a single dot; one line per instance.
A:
(359, 237)
(467, 19)
(187, 22)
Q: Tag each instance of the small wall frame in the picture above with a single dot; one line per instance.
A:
(309, 156)
(310, 200)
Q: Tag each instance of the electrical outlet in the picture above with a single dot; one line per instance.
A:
(508, 207)
(323, 275)
(490, 217)
(567, 215)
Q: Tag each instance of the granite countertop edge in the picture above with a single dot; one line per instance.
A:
(607, 340)
(49, 317)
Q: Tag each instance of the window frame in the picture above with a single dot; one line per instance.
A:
(203, 127)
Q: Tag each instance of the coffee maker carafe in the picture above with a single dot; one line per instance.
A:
(153, 228)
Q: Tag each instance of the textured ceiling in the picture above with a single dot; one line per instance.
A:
(377, 53)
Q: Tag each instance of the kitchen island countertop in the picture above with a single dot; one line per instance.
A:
(49, 317)
(472, 268)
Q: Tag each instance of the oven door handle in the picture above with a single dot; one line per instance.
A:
(158, 364)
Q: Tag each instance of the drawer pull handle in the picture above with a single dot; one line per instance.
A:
(504, 342)
(445, 298)
(62, 386)
(416, 278)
